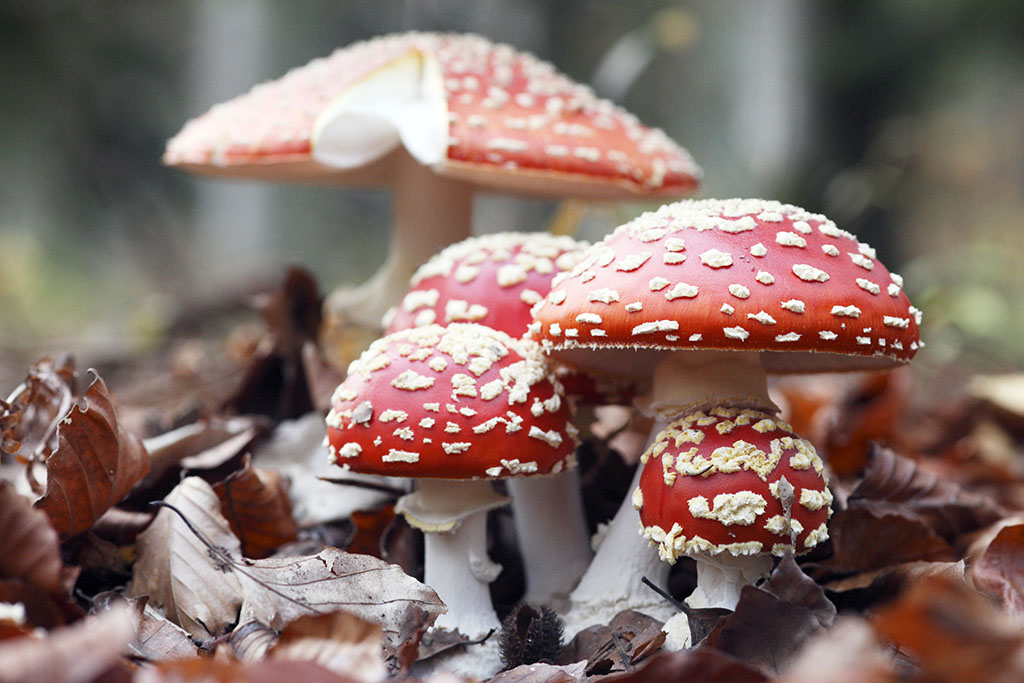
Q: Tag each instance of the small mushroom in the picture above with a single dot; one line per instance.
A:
(731, 487)
(435, 116)
(454, 407)
(703, 297)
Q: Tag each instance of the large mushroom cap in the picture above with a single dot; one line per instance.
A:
(739, 275)
(493, 280)
(711, 485)
(456, 402)
(468, 108)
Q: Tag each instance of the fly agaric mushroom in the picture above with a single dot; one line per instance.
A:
(467, 113)
(740, 285)
(454, 407)
(495, 280)
(731, 487)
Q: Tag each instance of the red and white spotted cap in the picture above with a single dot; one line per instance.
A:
(467, 107)
(713, 483)
(736, 274)
(456, 402)
(492, 280)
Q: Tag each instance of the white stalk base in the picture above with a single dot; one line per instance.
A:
(720, 579)
(552, 531)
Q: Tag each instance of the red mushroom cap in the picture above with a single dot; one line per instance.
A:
(737, 274)
(493, 280)
(711, 484)
(498, 117)
(455, 402)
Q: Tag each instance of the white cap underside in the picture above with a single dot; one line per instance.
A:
(402, 103)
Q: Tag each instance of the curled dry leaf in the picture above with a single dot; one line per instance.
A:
(205, 588)
(29, 417)
(255, 503)
(953, 633)
(176, 570)
(850, 651)
(1000, 570)
(864, 540)
(701, 664)
(615, 647)
(73, 654)
(29, 548)
(340, 641)
(208, 670)
(892, 483)
(543, 673)
(95, 465)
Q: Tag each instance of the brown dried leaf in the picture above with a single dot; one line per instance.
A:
(341, 642)
(1000, 570)
(256, 505)
(203, 589)
(73, 654)
(792, 604)
(953, 633)
(864, 540)
(220, 671)
(29, 548)
(95, 465)
(612, 647)
(156, 638)
(704, 664)
(29, 417)
(176, 570)
(894, 483)
(850, 651)
(542, 673)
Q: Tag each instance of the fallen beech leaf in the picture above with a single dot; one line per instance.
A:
(868, 413)
(900, 573)
(203, 589)
(611, 648)
(219, 671)
(156, 638)
(29, 417)
(176, 569)
(1000, 570)
(543, 673)
(29, 548)
(792, 604)
(848, 652)
(42, 609)
(95, 465)
(341, 642)
(894, 483)
(275, 383)
(704, 664)
(256, 505)
(953, 633)
(865, 540)
(73, 654)
(200, 445)
(251, 640)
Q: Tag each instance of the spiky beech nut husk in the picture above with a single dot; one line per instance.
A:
(530, 635)
(739, 275)
(492, 280)
(456, 402)
(734, 481)
(466, 107)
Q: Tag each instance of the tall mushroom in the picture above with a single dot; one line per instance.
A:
(434, 116)
(495, 280)
(454, 407)
(742, 286)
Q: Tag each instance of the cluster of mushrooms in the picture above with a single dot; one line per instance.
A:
(492, 341)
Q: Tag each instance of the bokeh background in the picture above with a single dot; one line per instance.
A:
(903, 120)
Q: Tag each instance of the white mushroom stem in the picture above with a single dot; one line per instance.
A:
(453, 517)
(552, 531)
(721, 578)
(430, 212)
(683, 382)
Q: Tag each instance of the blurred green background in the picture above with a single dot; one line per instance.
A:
(903, 120)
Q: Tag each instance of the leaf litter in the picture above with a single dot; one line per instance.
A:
(249, 576)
